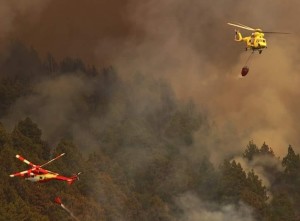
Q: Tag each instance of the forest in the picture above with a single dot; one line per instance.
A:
(134, 143)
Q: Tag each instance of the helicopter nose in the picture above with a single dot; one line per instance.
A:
(262, 45)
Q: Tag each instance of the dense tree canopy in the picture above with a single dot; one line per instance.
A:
(141, 158)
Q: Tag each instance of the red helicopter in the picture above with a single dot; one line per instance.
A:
(38, 174)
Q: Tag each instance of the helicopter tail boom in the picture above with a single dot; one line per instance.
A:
(73, 178)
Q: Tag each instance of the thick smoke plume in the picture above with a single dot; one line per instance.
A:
(262, 166)
(190, 44)
(12, 10)
(195, 209)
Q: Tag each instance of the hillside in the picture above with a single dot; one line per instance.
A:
(134, 142)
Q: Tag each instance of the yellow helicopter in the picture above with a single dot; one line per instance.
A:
(256, 41)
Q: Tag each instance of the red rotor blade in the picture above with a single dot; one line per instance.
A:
(20, 173)
(25, 161)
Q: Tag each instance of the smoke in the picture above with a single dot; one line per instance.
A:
(12, 10)
(195, 209)
(189, 44)
(265, 167)
(54, 103)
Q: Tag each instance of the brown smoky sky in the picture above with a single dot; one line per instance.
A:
(189, 44)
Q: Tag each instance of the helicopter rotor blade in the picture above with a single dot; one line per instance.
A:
(25, 161)
(245, 26)
(20, 173)
(275, 32)
(50, 161)
(241, 26)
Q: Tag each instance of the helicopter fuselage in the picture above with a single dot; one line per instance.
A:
(254, 42)
(40, 177)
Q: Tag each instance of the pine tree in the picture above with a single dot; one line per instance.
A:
(251, 151)
(281, 208)
(233, 181)
(266, 150)
(30, 129)
(255, 194)
(291, 163)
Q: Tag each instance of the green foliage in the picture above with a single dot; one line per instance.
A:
(233, 181)
(69, 65)
(281, 208)
(252, 151)
(291, 162)
(255, 194)
(266, 150)
(30, 129)
(206, 180)
(183, 123)
(23, 200)
(254, 184)
(144, 155)
(236, 185)
(106, 192)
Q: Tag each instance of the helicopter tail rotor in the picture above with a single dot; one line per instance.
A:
(73, 178)
(238, 36)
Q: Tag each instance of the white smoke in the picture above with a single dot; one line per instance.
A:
(261, 165)
(195, 209)
(190, 44)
